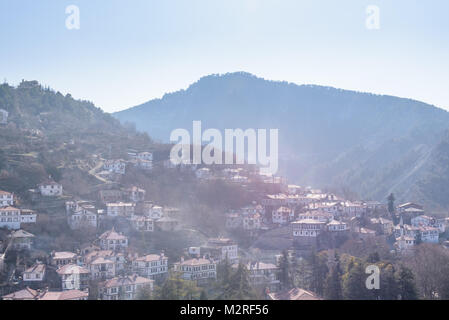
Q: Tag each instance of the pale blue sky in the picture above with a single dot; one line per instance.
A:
(127, 52)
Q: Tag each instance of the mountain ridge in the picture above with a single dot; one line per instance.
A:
(329, 137)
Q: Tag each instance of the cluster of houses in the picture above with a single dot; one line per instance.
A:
(142, 160)
(120, 273)
(3, 116)
(123, 205)
(311, 214)
(11, 217)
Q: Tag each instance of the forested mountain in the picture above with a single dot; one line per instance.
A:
(51, 135)
(351, 141)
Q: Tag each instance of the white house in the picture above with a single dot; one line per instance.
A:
(203, 173)
(10, 218)
(386, 226)
(104, 264)
(337, 226)
(136, 194)
(334, 208)
(35, 273)
(124, 288)
(156, 212)
(354, 209)
(234, 220)
(405, 243)
(427, 221)
(50, 189)
(220, 248)
(74, 277)
(61, 258)
(282, 215)
(423, 220)
(115, 166)
(121, 209)
(22, 239)
(102, 267)
(151, 266)
(293, 189)
(252, 221)
(141, 155)
(3, 116)
(274, 200)
(28, 216)
(317, 215)
(82, 219)
(112, 240)
(197, 269)
(6, 199)
(264, 275)
(81, 214)
(307, 228)
(142, 223)
(143, 164)
(429, 234)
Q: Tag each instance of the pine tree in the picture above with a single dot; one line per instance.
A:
(354, 283)
(319, 273)
(391, 208)
(203, 295)
(333, 287)
(240, 288)
(388, 284)
(224, 273)
(406, 284)
(285, 274)
(373, 257)
(303, 274)
(176, 288)
(145, 293)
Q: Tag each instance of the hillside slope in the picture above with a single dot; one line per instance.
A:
(370, 144)
(49, 134)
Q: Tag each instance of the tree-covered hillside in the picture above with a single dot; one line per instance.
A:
(370, 144)
(48, 134)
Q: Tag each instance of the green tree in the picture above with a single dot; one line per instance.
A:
(406, 284)
(333, 287)
(285, 272)
(239, 287)
(391, 208)
(303, 274)
(388, 284)
(373, 257)
(354, 287)
(176, 288)
(224, 271)
(319, 272)
(203, 295)
(145, 293)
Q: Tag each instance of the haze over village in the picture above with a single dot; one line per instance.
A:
(224, 150)
(117, 221)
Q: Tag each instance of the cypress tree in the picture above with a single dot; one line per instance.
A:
(285, 276)
(406, 284)
(333, 287)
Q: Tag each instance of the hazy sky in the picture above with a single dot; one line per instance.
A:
(128, 52)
